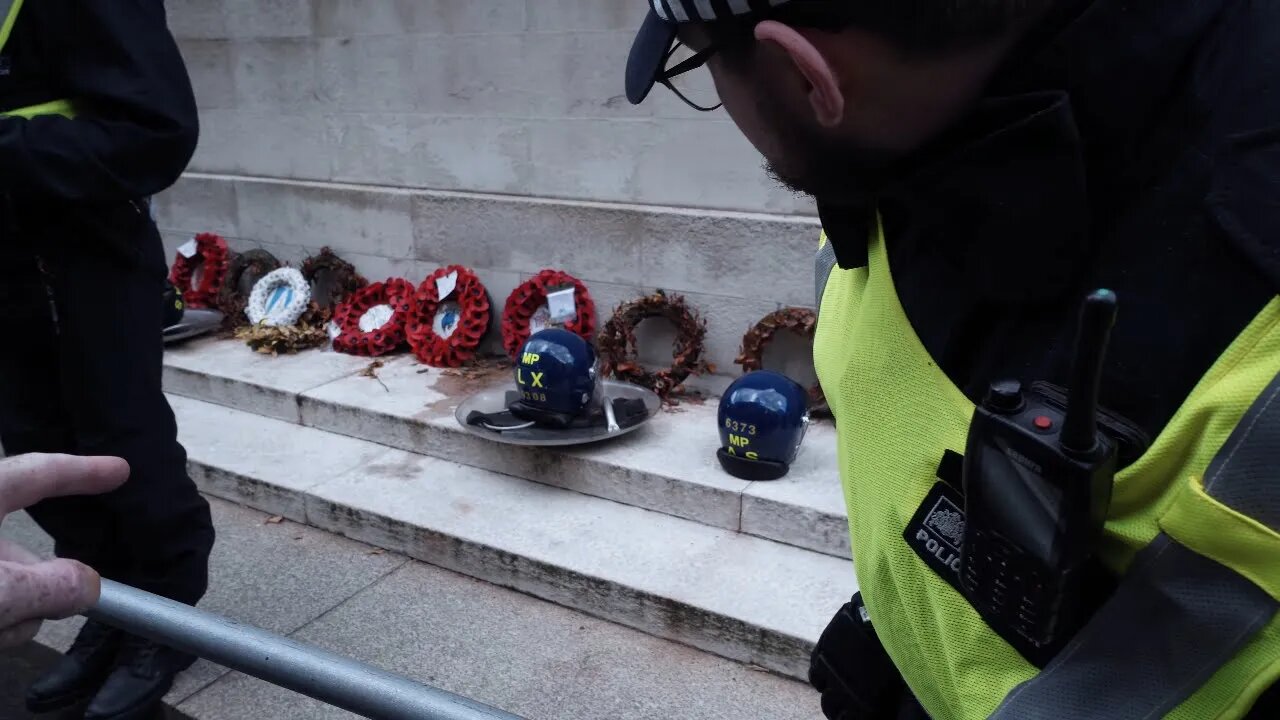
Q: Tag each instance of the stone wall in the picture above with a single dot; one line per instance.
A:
(410, 133)
(517, 97)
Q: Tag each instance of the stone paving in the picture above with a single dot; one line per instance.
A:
(524, 655)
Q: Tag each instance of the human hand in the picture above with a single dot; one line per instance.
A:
(31, 590)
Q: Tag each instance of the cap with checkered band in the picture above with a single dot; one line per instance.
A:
(652, 46)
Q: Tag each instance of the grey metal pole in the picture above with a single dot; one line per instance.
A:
(333, 679)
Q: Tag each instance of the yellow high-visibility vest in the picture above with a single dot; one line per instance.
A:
(897, 413)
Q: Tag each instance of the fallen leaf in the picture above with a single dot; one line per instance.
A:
(372, 370)
(378, 551)
(275, 520)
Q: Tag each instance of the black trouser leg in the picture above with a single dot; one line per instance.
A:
(33, 416)
(155, 532)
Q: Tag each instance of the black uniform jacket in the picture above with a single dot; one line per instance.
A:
(1127, 145)
(135, 133)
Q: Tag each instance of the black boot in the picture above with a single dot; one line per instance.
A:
(79, 673)
(144, 672)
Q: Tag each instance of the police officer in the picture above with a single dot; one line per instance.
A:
(979, 167)
(96, 115)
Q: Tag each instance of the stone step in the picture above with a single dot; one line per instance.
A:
(499, 646)
(735, 595)
(668, 466)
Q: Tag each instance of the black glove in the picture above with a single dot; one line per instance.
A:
(853, 672)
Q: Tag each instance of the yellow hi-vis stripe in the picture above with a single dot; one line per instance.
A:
(56, 107)
(9, 10)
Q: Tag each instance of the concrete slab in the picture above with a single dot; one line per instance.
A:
(377, 266)
(473, 153)
(268, 18)
(386, 58)
(562, 15)
(277, 576)
(528, 235)
(735, 255)
(227, 372)
(738, 596)
(419, 17)
(640, 245)
(805, 508)
(272, 144)
(650, 161)
(348, 218)
(209, 65)
(529, 657)
(278, 73)
(198, 204)
(230, 451)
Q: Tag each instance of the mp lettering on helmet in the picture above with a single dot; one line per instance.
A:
(738, 442)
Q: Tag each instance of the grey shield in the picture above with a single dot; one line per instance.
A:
(193, 324)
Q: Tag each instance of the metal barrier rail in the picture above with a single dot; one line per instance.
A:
(333, 679)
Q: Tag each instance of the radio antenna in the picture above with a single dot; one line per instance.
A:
(1080, 429)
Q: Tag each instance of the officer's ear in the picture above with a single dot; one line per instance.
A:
(825, 95)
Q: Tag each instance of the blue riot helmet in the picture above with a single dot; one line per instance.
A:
(556, 378)
(763, 418)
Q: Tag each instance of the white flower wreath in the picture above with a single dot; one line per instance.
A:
(279, 298)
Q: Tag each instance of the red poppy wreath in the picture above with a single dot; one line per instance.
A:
(211, 258)
(372, 320)
(526, 310)
(449, 318)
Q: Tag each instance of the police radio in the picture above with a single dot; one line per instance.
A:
(1037, 481)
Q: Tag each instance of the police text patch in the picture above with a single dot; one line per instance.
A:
(937, 531)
